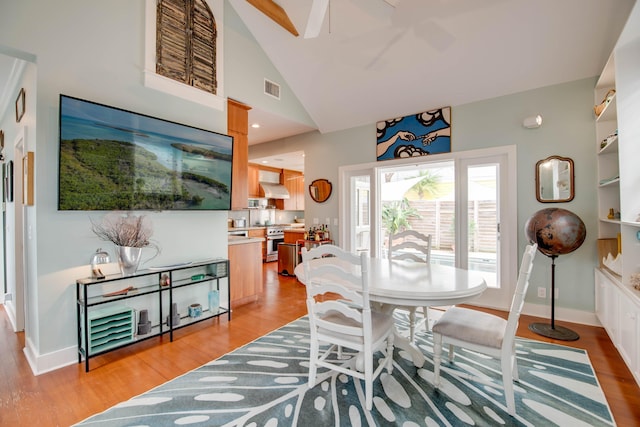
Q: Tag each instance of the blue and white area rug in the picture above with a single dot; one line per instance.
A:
(264, 383)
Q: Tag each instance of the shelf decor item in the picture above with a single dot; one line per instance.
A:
(99, 257)
(144, 324)
(128, 259)
(165, 281)
(195, 310)
(214, 301)
(598, 109)
(129, 233)
(174, 318)
(557, 232)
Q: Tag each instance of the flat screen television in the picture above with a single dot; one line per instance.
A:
(113, 159)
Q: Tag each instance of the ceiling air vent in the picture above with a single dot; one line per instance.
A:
(272, 89)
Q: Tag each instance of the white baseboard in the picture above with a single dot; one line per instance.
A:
(43, 363)
(11, 314)
(562, 314)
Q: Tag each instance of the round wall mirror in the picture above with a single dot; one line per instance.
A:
(320, 190)
(554, 180)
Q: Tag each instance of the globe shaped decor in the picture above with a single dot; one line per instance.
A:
(557, 232)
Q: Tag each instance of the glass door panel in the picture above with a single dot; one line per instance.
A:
(422, 198)
(362, 213)
(356, 202)
(483, 238)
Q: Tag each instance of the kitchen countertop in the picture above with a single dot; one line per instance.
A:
(241, 240)
(255, 227)
(286, 226)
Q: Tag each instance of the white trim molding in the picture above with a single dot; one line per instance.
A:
(562, 314)
(41, 364)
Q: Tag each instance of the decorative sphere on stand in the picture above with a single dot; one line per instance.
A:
(557, 231)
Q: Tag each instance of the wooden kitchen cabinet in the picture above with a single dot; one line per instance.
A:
(292, 236)
(294, 183)
(253, 177)
(245, 267)
(261, 233)
(238, 128)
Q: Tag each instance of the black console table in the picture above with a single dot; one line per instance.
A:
(109, 310)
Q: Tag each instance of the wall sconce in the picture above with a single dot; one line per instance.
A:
(100, 257)
(532, 122)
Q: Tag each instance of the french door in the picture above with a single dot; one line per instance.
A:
(466, 201)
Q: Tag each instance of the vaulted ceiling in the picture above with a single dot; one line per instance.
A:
(379, 59)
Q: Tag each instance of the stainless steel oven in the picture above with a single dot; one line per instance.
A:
(274, 236)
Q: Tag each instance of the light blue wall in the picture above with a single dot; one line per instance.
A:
(95, 50)
(567, 130)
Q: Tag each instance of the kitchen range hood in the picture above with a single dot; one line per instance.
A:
(274, 191)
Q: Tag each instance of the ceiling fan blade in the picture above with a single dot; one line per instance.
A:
(276, 13)
(316, 17)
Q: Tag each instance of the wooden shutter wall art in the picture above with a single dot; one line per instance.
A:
(186, 43)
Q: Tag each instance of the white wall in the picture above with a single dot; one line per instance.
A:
(246, 67)
(567, 130)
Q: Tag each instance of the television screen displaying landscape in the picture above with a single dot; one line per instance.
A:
(113, 159)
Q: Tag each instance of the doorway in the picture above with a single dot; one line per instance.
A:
(465, 200)
(15, 303)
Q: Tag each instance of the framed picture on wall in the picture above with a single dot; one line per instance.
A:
(421, 134)
(20, 105)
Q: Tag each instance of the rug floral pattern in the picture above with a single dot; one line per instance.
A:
(264, 383)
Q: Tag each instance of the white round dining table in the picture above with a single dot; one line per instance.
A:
(396, 283)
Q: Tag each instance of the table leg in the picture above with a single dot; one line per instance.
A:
(402, 342)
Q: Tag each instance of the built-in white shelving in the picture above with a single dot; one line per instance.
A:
(618, 173)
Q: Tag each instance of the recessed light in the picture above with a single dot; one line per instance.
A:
(255, 125)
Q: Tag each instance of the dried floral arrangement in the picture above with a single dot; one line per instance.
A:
(635, 281)
(125, 230)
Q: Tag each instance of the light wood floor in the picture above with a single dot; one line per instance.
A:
(69, 395)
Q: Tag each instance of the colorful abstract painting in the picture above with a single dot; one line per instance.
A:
(416, 135)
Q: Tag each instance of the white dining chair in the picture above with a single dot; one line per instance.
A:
(486, 333)
(414, 246)
(340, 315)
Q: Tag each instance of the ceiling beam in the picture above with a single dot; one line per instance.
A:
(276, 13)
(316, 17)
